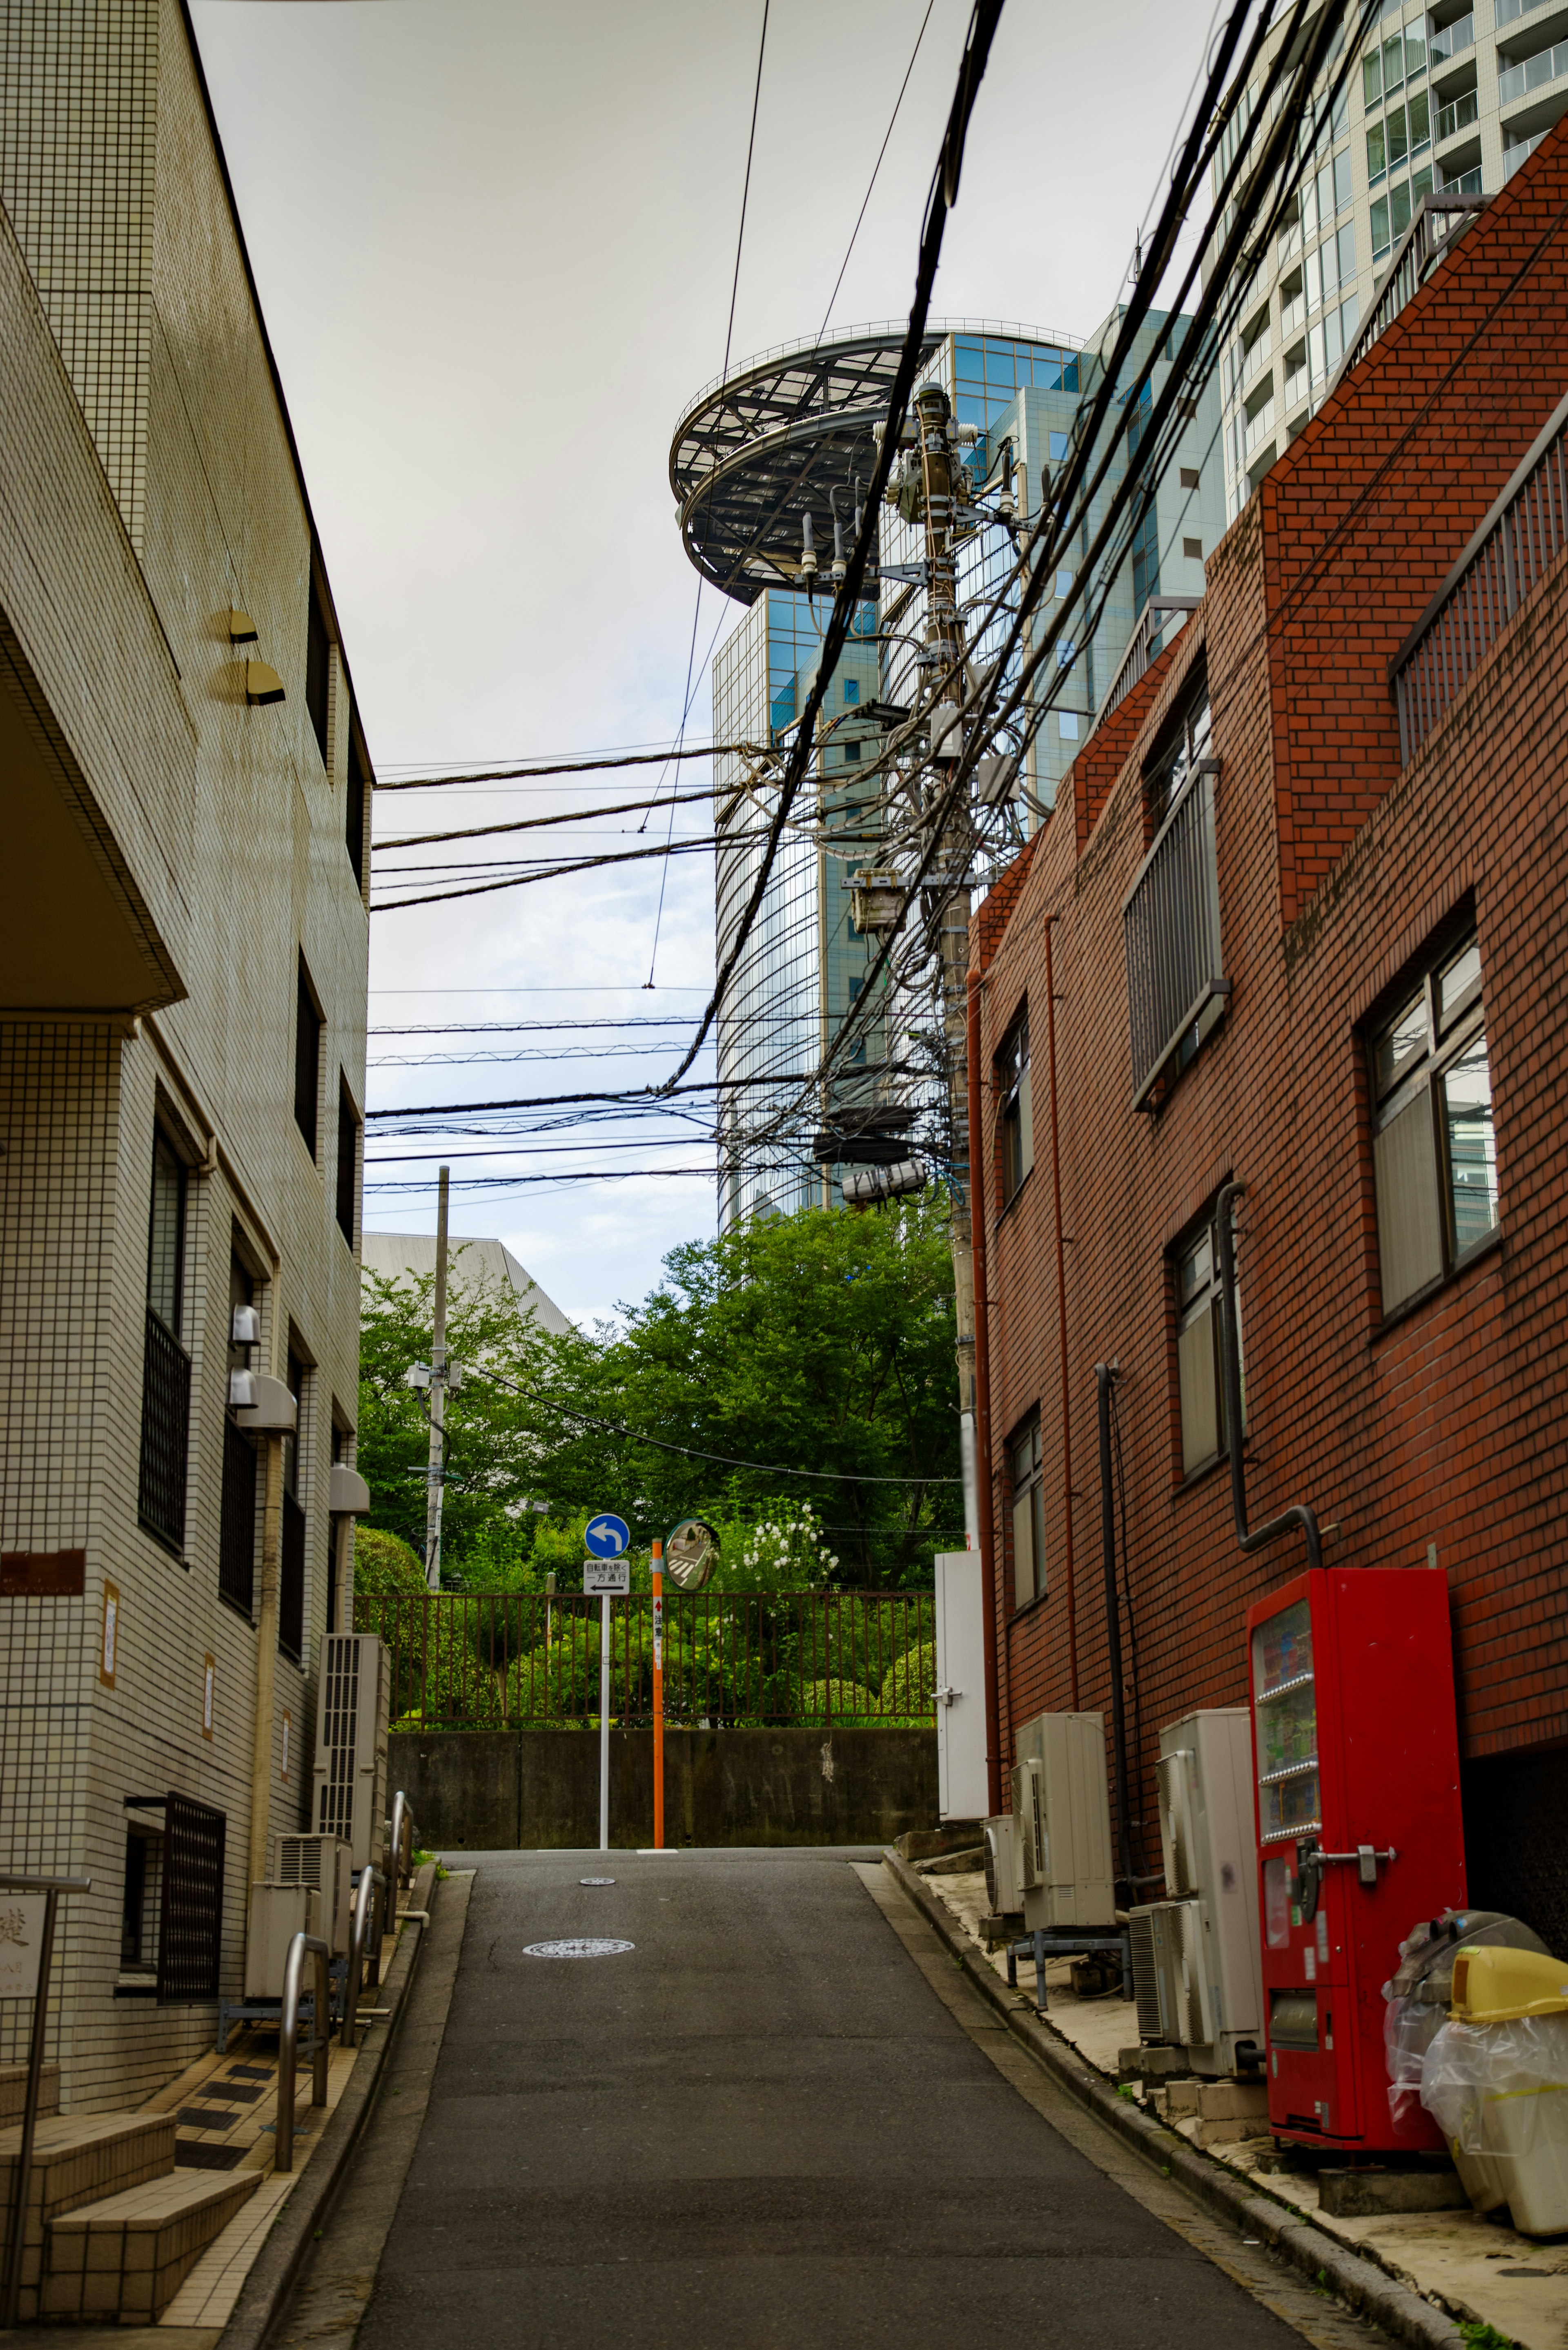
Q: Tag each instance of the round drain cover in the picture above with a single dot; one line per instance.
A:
(595, 1880)
(588, 1946)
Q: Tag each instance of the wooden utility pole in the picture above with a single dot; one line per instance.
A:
(437, 1490)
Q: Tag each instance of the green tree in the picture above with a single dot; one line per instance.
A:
(818, 1342)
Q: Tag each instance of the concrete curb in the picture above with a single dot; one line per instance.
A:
(1361, 2282)
(264, 2295)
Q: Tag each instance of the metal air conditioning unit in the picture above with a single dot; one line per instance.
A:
(326, 1863)
(350, 1790)
(278, 1912)
(1061, 1802)
(1003, 1885)
(1202, 1964)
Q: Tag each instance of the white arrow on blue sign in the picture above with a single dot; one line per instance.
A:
(607, 1536)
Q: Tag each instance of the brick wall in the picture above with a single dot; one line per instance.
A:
(1445, 1428)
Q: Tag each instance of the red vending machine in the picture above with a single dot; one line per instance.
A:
(1356, 1749)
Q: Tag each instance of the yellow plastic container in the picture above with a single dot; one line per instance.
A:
(1492, 1985)
(1519, 2000)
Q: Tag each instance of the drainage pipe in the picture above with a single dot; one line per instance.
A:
(1104, 1374)
(1061, 1318)
(983, 1494)
(1300, 1514)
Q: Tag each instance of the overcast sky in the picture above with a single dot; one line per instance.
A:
(495, 240)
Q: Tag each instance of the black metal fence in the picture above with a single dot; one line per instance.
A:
(237, 1524)
(1171, 921)
(1507, 557)
(165, 1432)
(477, 1660)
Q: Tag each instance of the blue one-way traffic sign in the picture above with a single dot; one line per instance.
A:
(607, 1536)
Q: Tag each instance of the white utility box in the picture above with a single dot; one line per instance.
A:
(1063, 1809)
(350, 1790)
(1196, 1969)
(962, 1790)
(327, 1862)
(1004, 1886)
(278, 1912)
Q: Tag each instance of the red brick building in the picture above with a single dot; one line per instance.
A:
(1322, 944)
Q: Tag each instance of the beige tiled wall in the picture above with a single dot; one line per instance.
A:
(228, 826)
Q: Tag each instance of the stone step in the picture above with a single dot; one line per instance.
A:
(14, 2092)
(126, 2257)
(76, 2159)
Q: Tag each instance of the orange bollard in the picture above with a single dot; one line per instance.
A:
(658, 1696)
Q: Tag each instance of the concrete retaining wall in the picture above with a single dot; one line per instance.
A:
(496, 1790)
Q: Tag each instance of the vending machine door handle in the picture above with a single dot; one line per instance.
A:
(1312, 1861)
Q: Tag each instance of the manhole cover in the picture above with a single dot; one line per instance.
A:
(595, 1880)
(581, 1946)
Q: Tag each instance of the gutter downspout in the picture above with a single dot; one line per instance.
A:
(1300, 1514)
(983, 1406)
(1062, 1317)
(1104, 1374)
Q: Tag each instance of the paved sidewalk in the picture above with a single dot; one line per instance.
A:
(761, 2126)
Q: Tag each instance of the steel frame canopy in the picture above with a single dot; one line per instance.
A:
(761, 448)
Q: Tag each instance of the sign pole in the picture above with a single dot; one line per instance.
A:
(604, 1719)
(658, 1696)
(51, 1887)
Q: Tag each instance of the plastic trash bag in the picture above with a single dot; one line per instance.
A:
(1419, 1992)
(1472, 2071)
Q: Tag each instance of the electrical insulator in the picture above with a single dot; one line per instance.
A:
(1004, 503)
(839, 567)
(809, 549)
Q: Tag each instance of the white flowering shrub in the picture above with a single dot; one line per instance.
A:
(784, 1551)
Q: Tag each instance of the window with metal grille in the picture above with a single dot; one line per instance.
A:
(1434, 1150)
(166, 1367)
(190, 1932)
(1201, 1387)
(307, 1061)
(1176, 988)
(1028, 1515)
(347, 1159)
(1016, 1117)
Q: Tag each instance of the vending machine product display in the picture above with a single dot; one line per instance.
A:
(1356, 1752)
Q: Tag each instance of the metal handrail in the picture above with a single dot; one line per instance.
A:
(1417, 250)
(364, 1897)
(1007, 330)
(400, 1847)
(289, 2038)
(1521, 535)
(1141, 653)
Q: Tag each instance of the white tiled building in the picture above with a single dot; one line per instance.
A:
(182, 976)
(1440, 101)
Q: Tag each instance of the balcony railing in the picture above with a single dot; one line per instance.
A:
(1157, 622)
(1437, 221)
(165, 1432)
(1532, 73)
(1259, 428)
(1519, 153)
(1292, 313)
(1458, 117)
(1176, 978)
(1507, 10)
(1255, 358)
(1504, 562)
(1296, 387)
(1455, 38)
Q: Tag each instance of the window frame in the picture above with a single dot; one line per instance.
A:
(1031, 1493)
(163, 1468)
(1188, 1314)
(1013, 1075)
(347, 1170)
(1448, 1035)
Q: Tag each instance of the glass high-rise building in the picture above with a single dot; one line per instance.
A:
(791, 437)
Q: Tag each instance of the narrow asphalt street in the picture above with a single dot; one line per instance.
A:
(780, 2118)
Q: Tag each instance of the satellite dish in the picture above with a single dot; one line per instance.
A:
(691, 1553)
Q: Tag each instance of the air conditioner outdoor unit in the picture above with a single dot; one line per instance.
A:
(278, 1912)
(1004, 1886)
(1061, 1798)
(350, 1791)
(327, 1862)
(1170, 1976)
(1204, 1936)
